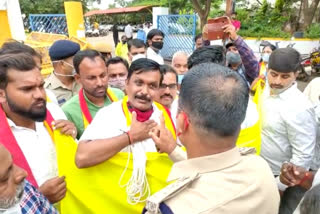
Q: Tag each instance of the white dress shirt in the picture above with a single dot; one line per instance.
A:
(151, 54)
(128, 31)
(288, 129)
(38, 147)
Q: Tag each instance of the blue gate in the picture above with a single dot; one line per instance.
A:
(179, 33)
(49, 23)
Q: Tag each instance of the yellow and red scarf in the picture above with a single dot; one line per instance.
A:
(86, 115)
(166, 114)
(9, 141)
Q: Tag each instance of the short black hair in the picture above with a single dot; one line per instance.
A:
(138, 43)
(212, 53)
(154, 32)
(168, 69)
(81, 55)
(144, 65)
(198, 37)
(17, 61)
(215, 98)
(311, 201)
(14, 46)
(271, 46)
(116, 60)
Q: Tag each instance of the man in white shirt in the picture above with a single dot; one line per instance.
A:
(155, 43)
(128, 32)
(288, 122)
(23, 110)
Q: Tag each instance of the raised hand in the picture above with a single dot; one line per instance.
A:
(54, 189)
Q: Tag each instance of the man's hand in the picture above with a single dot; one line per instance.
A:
(66, 127)
(163, 138)
(54, 189)
(291, 174)
(139, 131)
(231, 30)
(254, 85)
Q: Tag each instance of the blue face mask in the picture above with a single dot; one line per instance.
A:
(265, 57)
(180, 77)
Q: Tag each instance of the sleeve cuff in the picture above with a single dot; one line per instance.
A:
(178, 154)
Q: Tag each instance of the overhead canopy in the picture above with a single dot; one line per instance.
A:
(119, 10)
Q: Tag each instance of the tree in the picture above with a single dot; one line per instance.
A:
(203, 12)
(308, 12)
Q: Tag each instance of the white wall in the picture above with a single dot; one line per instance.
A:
(158, 11)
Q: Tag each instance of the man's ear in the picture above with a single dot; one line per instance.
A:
(3, 97)
(77, 78)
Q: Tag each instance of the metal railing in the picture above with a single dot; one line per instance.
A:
(49, 23)
(179, 33)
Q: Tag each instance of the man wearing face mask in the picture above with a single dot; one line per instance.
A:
(61, 82)
(288, 122)
(122, 48)
(117, 72)
(239, 55)
(95, 94)
(155, 43)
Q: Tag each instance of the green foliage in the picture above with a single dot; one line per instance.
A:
(279, 5)
(313, 31)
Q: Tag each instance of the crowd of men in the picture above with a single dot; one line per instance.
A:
(193, 110)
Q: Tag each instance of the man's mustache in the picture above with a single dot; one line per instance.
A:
(166, 95)
(143, 97)
(276, 86)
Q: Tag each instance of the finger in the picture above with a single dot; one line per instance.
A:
(162, 122)
(60, 180)
(154, 137)
(288, 176)
(134, 116)
(60, 124)
(67, 130)
(285, 181)
(297, 170)
(60, 195)
(149, 122)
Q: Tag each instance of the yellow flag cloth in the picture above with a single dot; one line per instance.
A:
(96, 189)
(251, 137)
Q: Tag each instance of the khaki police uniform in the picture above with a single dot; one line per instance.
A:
(232, 182)
(62, 92)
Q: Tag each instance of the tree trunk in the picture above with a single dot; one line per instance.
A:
(309, 12)
(202, 12)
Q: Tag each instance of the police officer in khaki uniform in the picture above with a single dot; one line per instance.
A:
(61, 82)
(217, 177)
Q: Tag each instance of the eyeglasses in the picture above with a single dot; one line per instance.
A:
(170, 86)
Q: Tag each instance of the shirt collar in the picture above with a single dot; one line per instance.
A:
(204, 164)
(13, 125)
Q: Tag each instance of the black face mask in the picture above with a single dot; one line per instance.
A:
(157, 45)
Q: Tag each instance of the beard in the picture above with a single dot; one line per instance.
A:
(96, 92)
(6, 203)
(34, 113)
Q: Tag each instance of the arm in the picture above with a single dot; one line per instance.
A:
(248, 58)
(90, 153)
(302, 136)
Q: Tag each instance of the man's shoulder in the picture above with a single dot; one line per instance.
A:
(119, 93)
(73, 101)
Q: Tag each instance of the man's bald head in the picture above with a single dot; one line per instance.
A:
(180, 62)
(215, 98)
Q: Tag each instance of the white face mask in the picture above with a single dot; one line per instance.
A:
(66, 75)
(138, 56)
